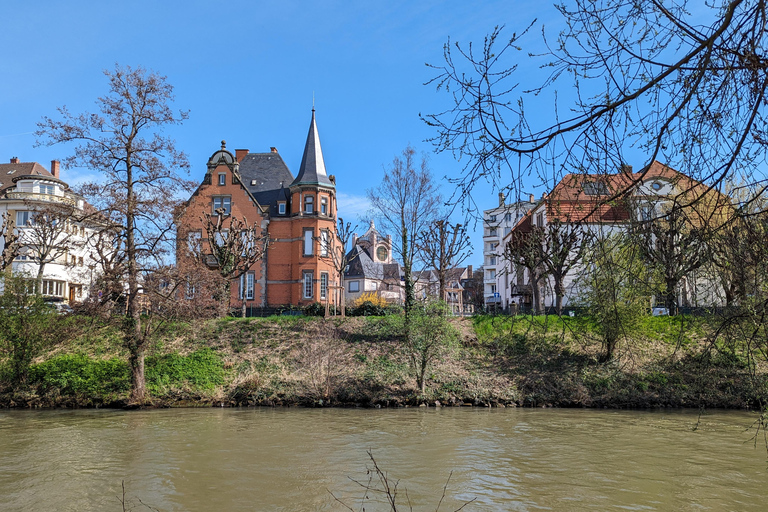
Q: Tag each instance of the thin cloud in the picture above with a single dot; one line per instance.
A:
(352, 207)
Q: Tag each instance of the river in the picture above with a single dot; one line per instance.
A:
(293, 459)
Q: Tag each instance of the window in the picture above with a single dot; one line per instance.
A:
(23, 218)
(281, 208)
(646, 212)
(222, 202)
(189, 291)
(595, 188)
(246, 285)
(493, 288)
(193, 241)
(374, 286)
(309, 204)
(508, 217)
(323, 285)
(222, 178)
(492, 246)
(354, 286)
(324, 205)
(80, 261)
(308, 284)
(492, 218)
(220, 237)
(491, 274)
(324, 243)
(47, 189)
(53, 288)
(492, 232)
(491, 260)
(540, 220)
(308, 242)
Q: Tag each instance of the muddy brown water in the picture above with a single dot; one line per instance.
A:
(292, 459)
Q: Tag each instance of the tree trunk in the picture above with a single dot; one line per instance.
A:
(559, 292)
(536, 290)
(670, 299)
(138, 382)
(342, 301)
(39, 279)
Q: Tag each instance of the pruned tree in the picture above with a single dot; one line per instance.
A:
(525, 250)
(564, 246)
(405, 202)
(136, 193)
(683, 86)
(49, 236)
(443, 247)
(231, 248)
(10, 241)
(333, 248)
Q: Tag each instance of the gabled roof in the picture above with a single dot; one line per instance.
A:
(312, 170)
(266, 177)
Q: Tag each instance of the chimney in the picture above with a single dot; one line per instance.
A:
(55, 168)
(273, 149)
(240, 154)
(469, 270)
(626, 168)
(532, 199)
(501, 199)
(354, 239)
(14, 160)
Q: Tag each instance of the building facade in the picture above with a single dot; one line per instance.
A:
(298, 214)
(55, 227)
(497, 223)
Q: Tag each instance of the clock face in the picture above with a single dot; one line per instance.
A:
(381, 253)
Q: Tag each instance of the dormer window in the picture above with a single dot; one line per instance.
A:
(222, 178)
(47, 189)
(595, 188)
(281, 208)
(309, 204)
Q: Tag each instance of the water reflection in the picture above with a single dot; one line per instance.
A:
(288, 459)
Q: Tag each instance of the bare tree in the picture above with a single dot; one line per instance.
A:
(684, 86)
(564, 246)
(49, 236)
(405, 201)
(444, 247)
(333, 247)
(525, 250)
(10, 241)
(136, 193)
(232, 247)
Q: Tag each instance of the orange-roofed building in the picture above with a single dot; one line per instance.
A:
(606, 204)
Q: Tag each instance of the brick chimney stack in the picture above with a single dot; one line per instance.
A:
(55, 168)
(532, 199)
(14, 160)
(501, 199)
(240, 154)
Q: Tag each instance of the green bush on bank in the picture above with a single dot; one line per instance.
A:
(78, 375)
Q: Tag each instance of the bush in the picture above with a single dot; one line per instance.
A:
(202, 370)
(79, 375)
(367, 309)
(318, 309)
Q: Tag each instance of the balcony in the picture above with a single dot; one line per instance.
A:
(34, 196)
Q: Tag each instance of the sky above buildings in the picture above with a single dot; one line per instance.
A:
(248, 72)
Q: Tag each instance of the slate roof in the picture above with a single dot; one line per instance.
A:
(365, 267)
(266, 176)
(312, 170)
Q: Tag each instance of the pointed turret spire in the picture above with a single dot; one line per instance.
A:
(312, 170)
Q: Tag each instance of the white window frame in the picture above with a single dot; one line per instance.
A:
(309, 204)
(324, 285)
(309, 284)
(324, 239)
(281, 208)
(194, 240)
(23, 218)
(309, 242)
(47, 189)
(324, 205)
(222, 178)
(223, 202)
(247, 282)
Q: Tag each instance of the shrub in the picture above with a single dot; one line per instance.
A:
(79, 375)
(367, 309)
(201, 370)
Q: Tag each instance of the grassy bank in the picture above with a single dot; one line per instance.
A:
(523, 361)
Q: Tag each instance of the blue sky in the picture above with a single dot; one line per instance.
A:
(247, 72)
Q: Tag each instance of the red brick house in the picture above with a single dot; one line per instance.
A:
(298, 214)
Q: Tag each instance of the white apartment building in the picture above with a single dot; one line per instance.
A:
(497, 223)
(27, 188)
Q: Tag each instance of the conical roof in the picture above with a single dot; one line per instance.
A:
(312, 170)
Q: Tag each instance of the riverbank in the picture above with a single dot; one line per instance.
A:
(360, 362)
